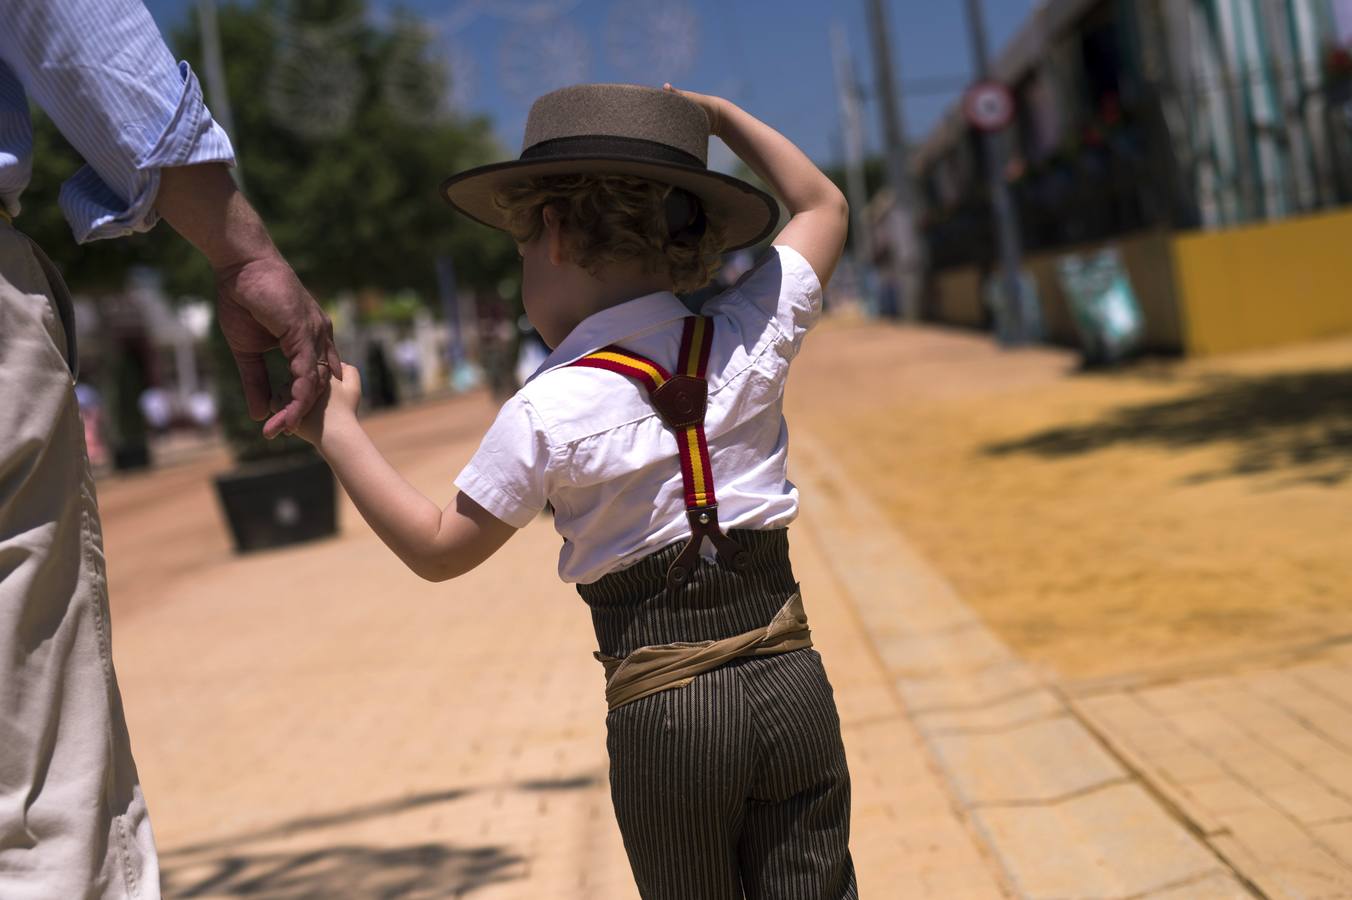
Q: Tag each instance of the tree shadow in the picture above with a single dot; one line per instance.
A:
(228, 867)
(414, 871)
(1294, 423)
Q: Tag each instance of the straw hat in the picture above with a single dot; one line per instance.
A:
(620, 129)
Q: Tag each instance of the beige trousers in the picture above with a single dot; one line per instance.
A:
(73, 823)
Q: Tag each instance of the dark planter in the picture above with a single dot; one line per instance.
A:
(131, 458)
(275, 502)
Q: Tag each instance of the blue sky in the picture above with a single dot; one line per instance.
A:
(773, 57)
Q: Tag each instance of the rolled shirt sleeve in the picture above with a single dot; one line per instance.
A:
(101, 71)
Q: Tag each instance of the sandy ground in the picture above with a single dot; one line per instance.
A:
(1172, 513)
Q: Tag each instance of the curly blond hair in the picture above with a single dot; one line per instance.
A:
(614, 218)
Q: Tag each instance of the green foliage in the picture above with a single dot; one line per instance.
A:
(357, 209)
(353, 210)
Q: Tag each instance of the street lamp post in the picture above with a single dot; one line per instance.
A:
(901, 219)
(1006, 225)
(217, 93)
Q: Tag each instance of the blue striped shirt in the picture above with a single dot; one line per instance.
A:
(101, 71)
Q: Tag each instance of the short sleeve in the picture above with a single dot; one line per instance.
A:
(509, 473)
(782, 289)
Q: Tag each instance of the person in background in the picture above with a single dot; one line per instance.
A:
(91, 413)
(73, 822)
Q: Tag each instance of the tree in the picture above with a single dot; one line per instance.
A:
(355, 207)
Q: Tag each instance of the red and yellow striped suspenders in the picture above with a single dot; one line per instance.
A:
(680, 400)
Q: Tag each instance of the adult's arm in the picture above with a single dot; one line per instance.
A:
(102, 73)
(261, 303)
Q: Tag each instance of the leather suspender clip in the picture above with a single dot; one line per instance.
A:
(681, 401)
(704, 523)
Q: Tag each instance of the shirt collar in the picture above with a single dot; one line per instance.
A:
(614, 324)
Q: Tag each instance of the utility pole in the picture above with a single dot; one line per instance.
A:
(1006, 224)
(901, 220)
(852, 127)
(217, 93)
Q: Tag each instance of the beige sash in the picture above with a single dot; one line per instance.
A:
(649, 670)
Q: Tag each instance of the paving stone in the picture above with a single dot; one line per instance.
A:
(1337, 775)
(1319, 711)
(1310, 802)
(1267, 830)
(1212, 887)
(1301, 872)
(966, 692)
(1337, 837)
(1115, 842)
(1021, 709)
(1041, 761)
(1224, 796)
(955, 650)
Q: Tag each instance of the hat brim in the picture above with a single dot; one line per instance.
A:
(747, 214)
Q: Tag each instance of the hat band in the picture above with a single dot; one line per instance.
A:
(610, 145)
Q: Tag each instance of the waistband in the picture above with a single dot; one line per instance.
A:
(635, 608)
(650, 670)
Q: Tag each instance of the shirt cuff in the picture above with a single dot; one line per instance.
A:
(491, 497)
(191, 136)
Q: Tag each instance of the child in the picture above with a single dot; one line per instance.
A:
(727, 771)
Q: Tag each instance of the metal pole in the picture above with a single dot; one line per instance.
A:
(853, 131)
(901, 219)
(1006, 225)
(217, 92)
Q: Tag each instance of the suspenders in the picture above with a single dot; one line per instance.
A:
(681, 400)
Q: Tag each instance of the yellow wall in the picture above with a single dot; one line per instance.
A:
(1265, 284)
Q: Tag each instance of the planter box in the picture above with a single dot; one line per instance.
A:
(278, 502)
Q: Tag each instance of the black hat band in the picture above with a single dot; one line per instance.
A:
(606, 145)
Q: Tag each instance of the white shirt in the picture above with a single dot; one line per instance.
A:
(589, 441)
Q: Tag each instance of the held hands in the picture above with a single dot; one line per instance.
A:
(712, 106)
(262, 304)
(335, 410)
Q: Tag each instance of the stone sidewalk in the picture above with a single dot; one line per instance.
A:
(316, 722)
(1258, 761)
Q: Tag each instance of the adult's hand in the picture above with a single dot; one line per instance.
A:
(261, 303)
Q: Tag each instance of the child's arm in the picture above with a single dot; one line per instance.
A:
(820, 215)
(437, 544)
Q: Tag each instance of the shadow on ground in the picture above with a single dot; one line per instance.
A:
(1294, 423)
(423, 870)
(235, 866)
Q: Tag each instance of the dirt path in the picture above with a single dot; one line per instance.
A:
(1104, 523)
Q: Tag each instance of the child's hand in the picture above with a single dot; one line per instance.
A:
(712, 106)
(339, 406)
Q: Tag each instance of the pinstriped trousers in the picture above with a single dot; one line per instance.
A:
(735, 785)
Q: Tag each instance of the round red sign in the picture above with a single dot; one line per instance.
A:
(988, 106)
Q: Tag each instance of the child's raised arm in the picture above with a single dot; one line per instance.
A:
(437, 544)
(820, 215)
